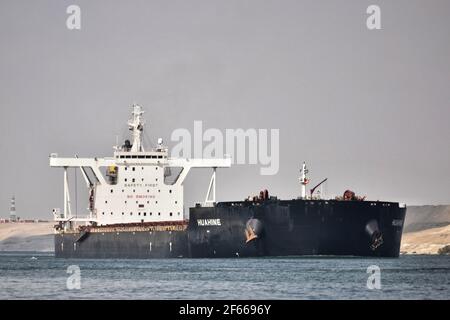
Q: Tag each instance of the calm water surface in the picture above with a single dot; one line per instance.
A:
(41, 276)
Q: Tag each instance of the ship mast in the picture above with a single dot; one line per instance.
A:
(136, 125)
(303, 180)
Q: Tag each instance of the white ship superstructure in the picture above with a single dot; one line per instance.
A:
(133, 186)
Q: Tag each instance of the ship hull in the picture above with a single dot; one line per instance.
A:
(248, 229)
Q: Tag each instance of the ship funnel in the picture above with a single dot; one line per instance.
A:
(253, 229)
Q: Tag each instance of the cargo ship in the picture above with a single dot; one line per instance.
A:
(136, 211)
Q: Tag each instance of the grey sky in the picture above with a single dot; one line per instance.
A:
(370, 110)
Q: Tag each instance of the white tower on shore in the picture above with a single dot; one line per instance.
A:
(12, 210)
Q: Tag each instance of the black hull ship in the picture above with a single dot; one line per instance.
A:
(257, 227)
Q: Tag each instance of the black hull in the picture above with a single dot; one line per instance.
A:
(282, 228)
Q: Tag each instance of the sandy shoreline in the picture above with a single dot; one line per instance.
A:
(427, 241)
(23, 230)
(26, 236)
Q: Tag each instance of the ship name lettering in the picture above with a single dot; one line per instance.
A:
(209, 222)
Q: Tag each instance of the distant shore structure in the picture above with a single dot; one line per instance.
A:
(12, 210)
(14, 218)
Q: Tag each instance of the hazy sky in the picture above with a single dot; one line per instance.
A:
(370, 110)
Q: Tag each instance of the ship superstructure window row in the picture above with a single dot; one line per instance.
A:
(142, 157)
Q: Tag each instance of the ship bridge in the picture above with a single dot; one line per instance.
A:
(135, 185)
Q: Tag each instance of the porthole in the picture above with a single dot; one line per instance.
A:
(106, 201)
(159, 213)
(133, 180)
(134, 169)
(170, 214)
(111, 190)
(170, 191)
